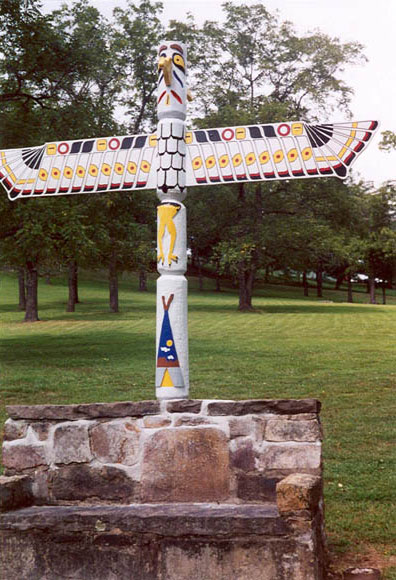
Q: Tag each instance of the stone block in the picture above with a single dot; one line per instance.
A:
(290, 456)
(184, 406)
(221, 561)
(41, 429)
(298, 491)
(21, 456)
(186, 464)
(71, 444)
(156, 421)
(241, 427)
(242, 455)
(82, 482)
(115, 442)
(256, 487)
(284, 430)
(15, 492)
(301, 417)
(362, 574)
(188, 421)
(84, 411)
(257, 406)
(14, 430)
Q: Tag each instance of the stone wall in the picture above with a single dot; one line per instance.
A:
(169, 490)
(169, 451)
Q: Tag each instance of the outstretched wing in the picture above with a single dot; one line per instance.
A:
(277, 151)
(89, 165)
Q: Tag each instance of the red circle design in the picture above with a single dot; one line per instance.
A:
(227, 134)
(283, 130)
(63, 148)
(114, 144)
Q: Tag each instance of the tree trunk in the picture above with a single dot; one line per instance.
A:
(319, 281)
(384, 292)
(246, 281)
(350, 295)
(339, 281)
(200, 277)
(305, 283)
(371, 284)
(31, 292)
(142, 281)
(21, 289)
(218, 279)
(113, 283)
(73, 286)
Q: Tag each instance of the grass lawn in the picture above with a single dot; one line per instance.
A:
(290, 346)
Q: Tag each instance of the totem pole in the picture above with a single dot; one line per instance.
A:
(171, 377)
(169, 161)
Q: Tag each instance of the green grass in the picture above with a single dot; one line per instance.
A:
(290, 346)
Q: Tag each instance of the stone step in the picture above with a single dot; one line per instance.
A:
(162, 519)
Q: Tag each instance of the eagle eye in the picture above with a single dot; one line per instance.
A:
(179, 61)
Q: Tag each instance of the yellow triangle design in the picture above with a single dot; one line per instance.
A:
(167, 380)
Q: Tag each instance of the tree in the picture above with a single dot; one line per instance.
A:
(378, 241)
(56, 80)
(388, 141)
(138, 33)
(256, 69)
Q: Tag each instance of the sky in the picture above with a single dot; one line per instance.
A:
(370, 23)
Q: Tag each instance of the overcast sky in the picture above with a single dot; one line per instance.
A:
(370, 23)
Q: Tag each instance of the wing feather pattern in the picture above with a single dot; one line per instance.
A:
(228, 154)
(277, 151)
(80, 166)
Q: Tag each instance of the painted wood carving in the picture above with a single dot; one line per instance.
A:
(250, 153)
(169, 160)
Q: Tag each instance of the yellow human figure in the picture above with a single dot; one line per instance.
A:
(166, 213)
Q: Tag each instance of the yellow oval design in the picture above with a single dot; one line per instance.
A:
(43, 175)
(292, 155)
(224, 160)
(93, 170)
(306, 153)
(132, 167)
(145, 166)
(68, 172)
(237, 160)
(197, 163)
(106, 169)
(80, 171)
(119, 168)
(264, 157)
(278, 156)
(55, 173)
(250, 158)
(210, 162)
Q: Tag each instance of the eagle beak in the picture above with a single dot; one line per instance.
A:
(165, 64)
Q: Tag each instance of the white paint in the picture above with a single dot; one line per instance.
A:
(171, 226)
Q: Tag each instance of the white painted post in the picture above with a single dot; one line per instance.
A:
(172, 379)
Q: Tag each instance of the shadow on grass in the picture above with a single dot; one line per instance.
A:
(74, 350)
(332, 308)
(97, 312)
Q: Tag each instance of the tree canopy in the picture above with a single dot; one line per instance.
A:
(72, 73)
